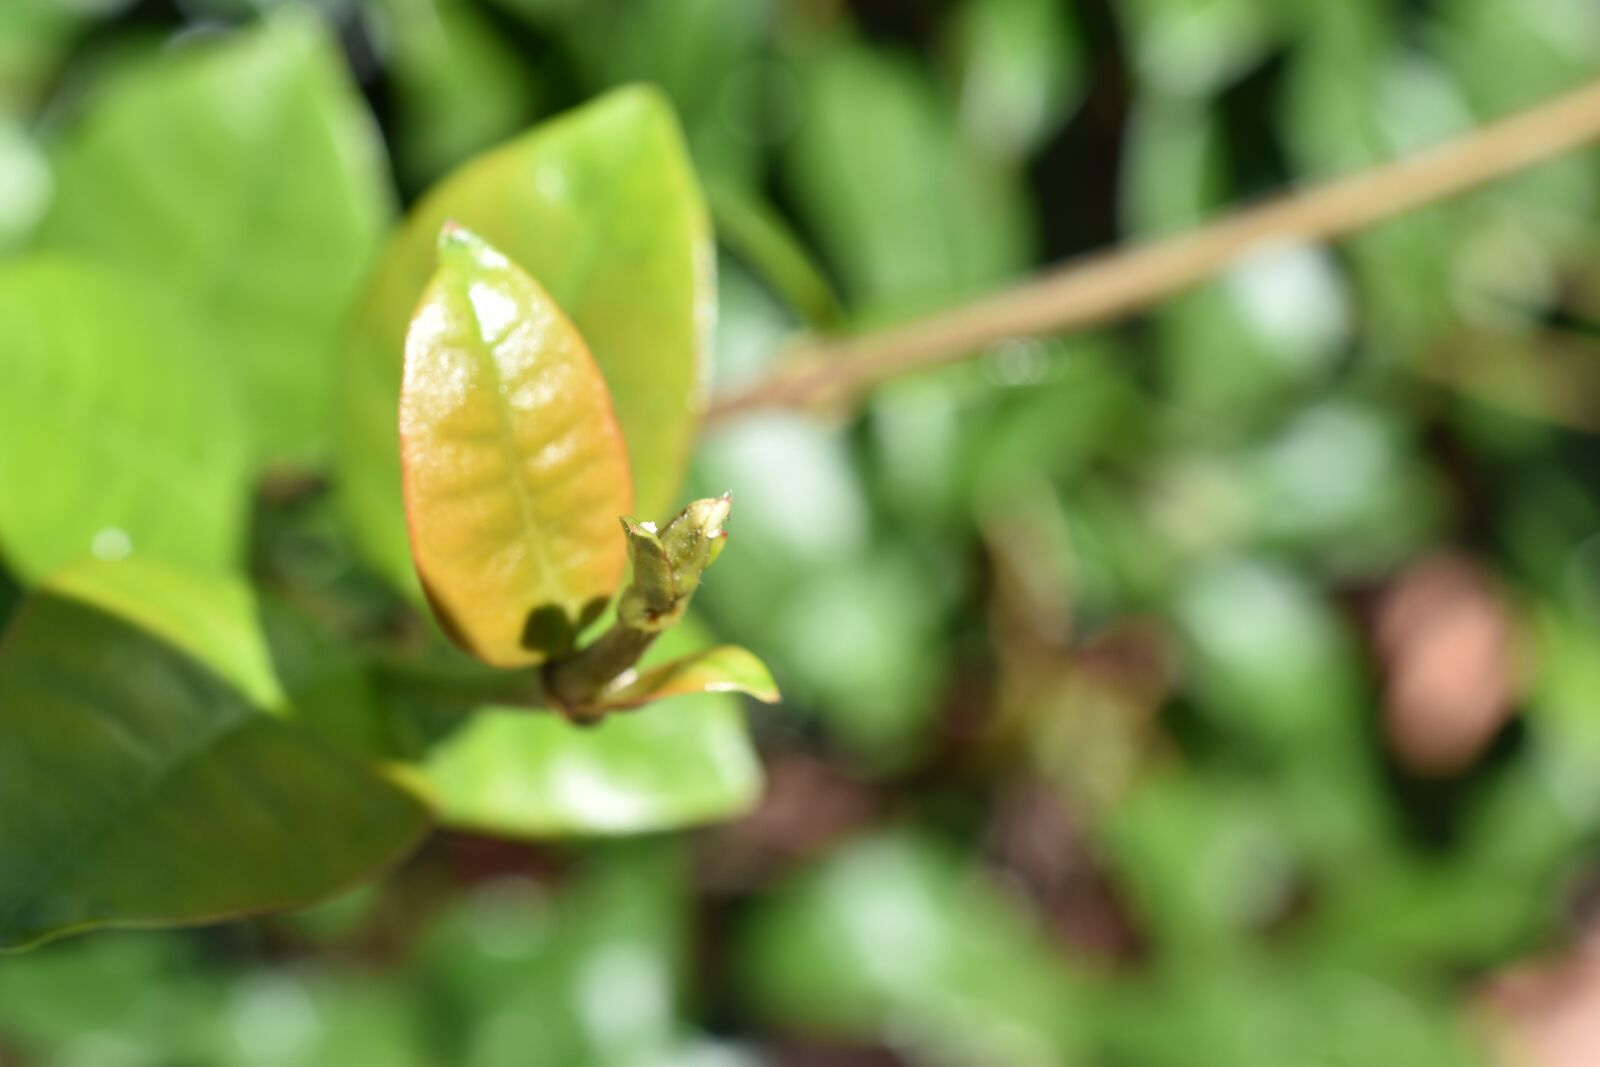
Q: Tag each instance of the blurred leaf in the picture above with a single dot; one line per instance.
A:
(278, 658)
(142, 1000)
(137, 993)
(849, 631)
(1203, 861)
(762, 240)
(1259, 1015)
(1270, 659)
(724, 669)
(316, 1015)
(158, 764)
(1195, 47)
(704, 54)
(251, 185)
(460, 86)
(1021, 72)
(896, 939)
(10, 596)
(116, 435)
(1506, 59)
(1240, 346)
(1342, 480)
(33, 35)
(328, 686)
(909, 215)
(1355, 96)
(752, 325)
(212, 619)
(534, 774)
(1549, 376)
(859, 643)
(514, 470)
(26, 182)
(601, 207)
(588, 976)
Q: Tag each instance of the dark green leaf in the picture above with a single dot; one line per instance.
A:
(148, 774)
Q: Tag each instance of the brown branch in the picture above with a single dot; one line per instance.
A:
(1104, 286)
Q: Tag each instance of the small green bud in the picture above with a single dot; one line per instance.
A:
(694, 538)
(668, 565)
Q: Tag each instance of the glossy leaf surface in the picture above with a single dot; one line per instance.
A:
(724, 669)
(116, 434)
(514, 471)
(602, 208)
(535, 774)
(245, 176)
(139, 785)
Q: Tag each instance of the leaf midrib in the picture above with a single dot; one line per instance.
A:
(526, 509)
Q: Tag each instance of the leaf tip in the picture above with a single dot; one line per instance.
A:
(453, 235)
(459, 244)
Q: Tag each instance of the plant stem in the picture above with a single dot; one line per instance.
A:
(1107, 285)
(667, 567)
(573, 683)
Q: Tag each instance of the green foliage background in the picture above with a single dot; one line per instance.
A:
(1081, 757)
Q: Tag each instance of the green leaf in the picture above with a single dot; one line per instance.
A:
(759, 236)
(705, 55)
(535, 774)
(894, 938)
(248, 180)
(116, 433)
(724, 669)
(140, 785)
(911, 214)
(33, 36)
(1020, 71)
(589, 973)
(25, 176)
(459, 85)
(602, 207)
(514, 471)
(1195, 47)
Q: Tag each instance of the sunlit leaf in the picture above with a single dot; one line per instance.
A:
(534, 774)
(243, 177)
(602, 208)
(141, 785)
(514, 471)
(117, 435)
(724, 669)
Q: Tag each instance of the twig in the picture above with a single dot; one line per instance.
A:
(1106, 285)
